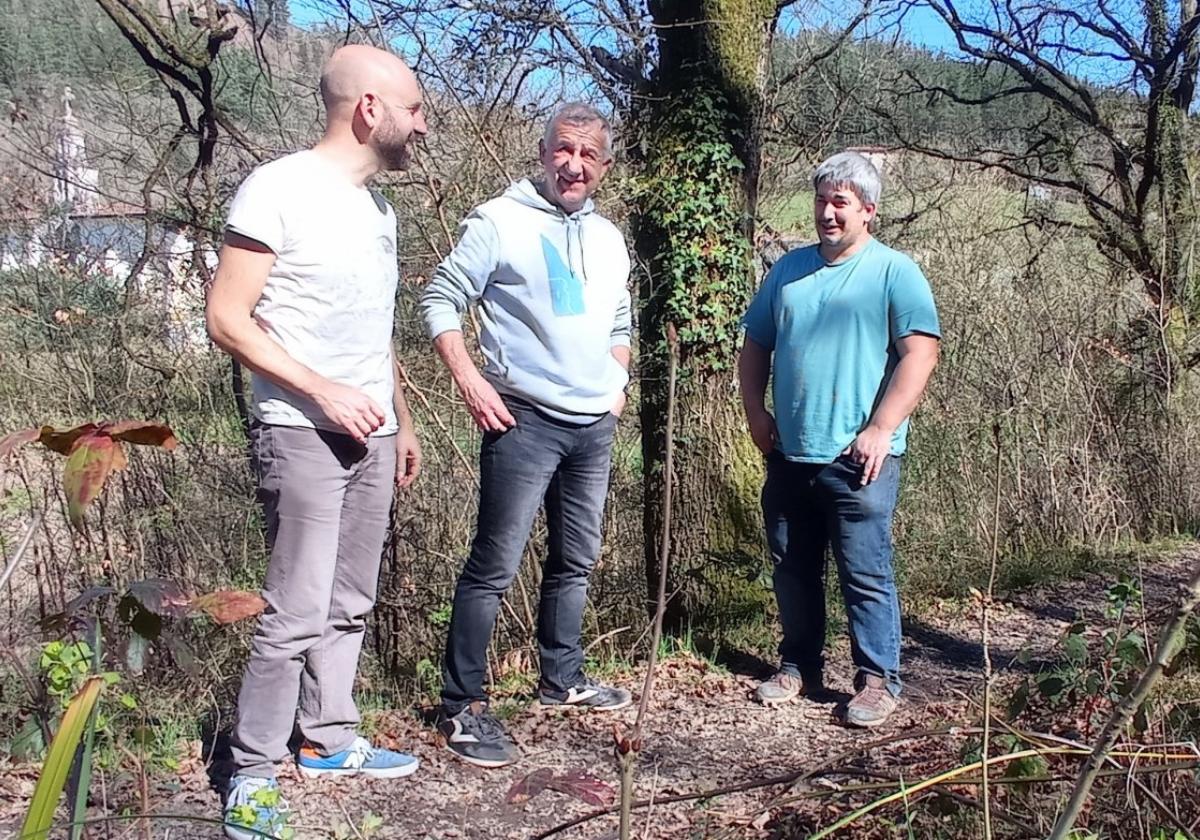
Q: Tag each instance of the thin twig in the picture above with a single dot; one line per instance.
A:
(631, 746)
(411, 387)
(26, 539)
(986, 633)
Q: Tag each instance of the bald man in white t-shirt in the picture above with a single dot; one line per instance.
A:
(304, 297)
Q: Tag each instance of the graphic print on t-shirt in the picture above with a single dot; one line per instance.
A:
(566, 290)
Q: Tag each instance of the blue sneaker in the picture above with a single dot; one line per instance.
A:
(255, 809)
(359, 759)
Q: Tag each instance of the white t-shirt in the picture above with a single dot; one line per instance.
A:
(330, 298)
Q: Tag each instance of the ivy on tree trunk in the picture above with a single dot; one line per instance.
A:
(697, 128)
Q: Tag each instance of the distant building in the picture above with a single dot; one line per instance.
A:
(880, 156)
(106, 238)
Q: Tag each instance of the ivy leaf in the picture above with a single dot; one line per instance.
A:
(226, 606)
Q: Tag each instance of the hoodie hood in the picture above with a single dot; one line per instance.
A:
(525, 192)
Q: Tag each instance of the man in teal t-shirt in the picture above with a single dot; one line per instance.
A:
(849, 330)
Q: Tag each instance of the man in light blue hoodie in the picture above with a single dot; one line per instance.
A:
(549, 278)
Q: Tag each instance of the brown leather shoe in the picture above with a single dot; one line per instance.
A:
(873, 703)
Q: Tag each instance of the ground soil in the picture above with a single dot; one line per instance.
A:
(704, 733)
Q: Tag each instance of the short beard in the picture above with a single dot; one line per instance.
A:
(396, 158)
(395, 155)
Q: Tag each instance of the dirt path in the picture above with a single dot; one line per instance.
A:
(704, 733)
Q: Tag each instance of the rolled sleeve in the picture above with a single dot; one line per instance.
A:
(257, 211)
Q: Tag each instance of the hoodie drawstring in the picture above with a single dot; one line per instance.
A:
(577, 224)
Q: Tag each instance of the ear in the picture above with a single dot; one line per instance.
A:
(871, 210)
(370, 109)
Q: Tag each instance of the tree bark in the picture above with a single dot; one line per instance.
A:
(698, 132)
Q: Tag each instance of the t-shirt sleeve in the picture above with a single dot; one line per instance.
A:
(257, 211)
(759, 321)
(911, 309)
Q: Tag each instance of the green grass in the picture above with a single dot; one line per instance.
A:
(792, 213)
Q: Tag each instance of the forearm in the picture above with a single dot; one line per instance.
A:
(244, 340)
(754, 369)
(622, 354)
(452, 350)
(904, 391)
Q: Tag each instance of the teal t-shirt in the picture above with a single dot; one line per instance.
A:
(833, 329)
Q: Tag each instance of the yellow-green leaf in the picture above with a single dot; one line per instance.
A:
(50, 783)
(93, 456)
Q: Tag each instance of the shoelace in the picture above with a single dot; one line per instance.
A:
(488, 726)
(361, 752)
(872, 696)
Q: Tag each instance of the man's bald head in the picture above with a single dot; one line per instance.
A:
(358, 69)
(373, 101)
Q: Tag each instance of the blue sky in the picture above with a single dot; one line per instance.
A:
(919, 26)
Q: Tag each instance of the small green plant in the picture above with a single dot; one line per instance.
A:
(64, 666)
(268, 799)
(1093, 678)
(429, 676)
(440, 617)
(1167, 834)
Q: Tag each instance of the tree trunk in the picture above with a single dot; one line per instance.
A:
(699, 140)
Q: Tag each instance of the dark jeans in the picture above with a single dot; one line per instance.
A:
(807, 507)
(541, 459)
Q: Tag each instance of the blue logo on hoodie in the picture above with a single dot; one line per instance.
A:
(566, 290)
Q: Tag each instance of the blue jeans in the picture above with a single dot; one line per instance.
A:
(807, 507)
(540, 459)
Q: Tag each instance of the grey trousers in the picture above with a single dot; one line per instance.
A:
(326, 499)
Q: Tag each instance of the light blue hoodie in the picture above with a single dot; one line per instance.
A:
(552, 300)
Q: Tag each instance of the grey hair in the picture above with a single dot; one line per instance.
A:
(579, 113)
(850, 169)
